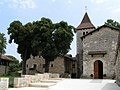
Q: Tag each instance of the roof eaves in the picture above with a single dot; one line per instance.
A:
(98, 30)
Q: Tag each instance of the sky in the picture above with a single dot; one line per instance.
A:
(71, 11)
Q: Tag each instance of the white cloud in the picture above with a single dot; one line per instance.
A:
(24, 4)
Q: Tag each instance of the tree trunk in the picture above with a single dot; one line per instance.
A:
(24, 63)
(47, 62)
(24, 67)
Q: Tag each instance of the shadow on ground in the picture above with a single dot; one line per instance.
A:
(111, 86)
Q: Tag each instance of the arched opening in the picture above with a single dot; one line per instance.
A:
(98, 69)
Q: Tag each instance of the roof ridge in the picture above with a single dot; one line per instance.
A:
(100, 28)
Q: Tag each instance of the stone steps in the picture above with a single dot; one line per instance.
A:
(50, 81)
(41, 84)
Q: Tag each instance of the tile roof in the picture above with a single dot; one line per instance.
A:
(86, 23)
(70, 57)
(99, 29)
(4, 57)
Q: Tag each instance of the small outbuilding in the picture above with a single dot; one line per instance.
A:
(4, 65)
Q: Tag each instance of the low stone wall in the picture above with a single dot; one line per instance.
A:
(25, 80)
(54, 75)
(20, 82)
(4, 82)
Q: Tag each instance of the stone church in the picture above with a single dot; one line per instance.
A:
(96, 49)
(98, 54)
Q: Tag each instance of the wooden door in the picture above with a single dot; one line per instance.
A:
(98, 70)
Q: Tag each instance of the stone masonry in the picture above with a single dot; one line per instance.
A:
(56, 66)
(104, 39)
(4, 82)
(118, 69)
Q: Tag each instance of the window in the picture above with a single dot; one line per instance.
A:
(27, 65)
(86, 32)
(51, 65)
(34, 66)
(83, 33)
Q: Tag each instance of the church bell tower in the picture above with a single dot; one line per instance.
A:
(83, 28)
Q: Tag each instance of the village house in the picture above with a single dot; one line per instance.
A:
(64, 66)
(4, 65)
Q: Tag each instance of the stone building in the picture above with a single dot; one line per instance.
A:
(85, 27)
(4, 65)
(96, 49)
(63, 65)
(117, 63)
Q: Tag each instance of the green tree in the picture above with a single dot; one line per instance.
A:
(14, 66)
(21, 35)
(43, 41)
(51, 40)
(41, 38)
(113, 23)
(3, 43)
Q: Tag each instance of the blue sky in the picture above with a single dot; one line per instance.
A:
(71, 11)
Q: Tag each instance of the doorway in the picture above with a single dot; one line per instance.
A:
(98, 69)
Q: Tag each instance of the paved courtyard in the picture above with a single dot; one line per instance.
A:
(79, 84)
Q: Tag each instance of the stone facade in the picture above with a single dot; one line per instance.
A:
(84, 28)
(4, 70)
(57, 66)
(79, 56)
(37, 65)
(96, 50)
(118, 62)
(4, 65)
(4, 83)
(100, 45)
(118, 69)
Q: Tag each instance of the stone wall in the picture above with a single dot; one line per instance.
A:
(104, 39)
(118, 69)
(56, 66)
(79, 35)
(38, 61)
(4, 82)
(80, 50)
(4, 70)
(26, 80)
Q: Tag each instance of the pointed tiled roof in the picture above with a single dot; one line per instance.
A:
(86, 23)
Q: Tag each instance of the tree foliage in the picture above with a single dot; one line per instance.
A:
(21, 35)
(14, 66)
(113, 23)
(41, 37)
(3, 43)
